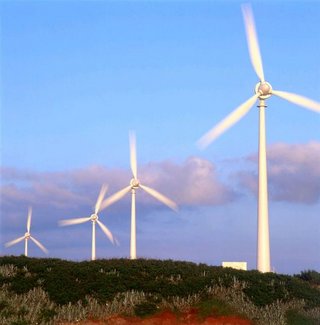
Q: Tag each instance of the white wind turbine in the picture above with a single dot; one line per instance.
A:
(94, 219)
(26, 237)
(133, 186)
(263, 90)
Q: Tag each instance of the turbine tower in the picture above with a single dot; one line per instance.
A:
(26, 237)
(263, 91)
(94, 219)
(133, 186)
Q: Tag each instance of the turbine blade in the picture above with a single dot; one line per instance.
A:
(101, 196)
(106, 231)
(252, 40)
(115, 197)
(74, 221)
(29, 219)
(298, 100)
(15, 241)
(160, 197)
(39, 245)
(133, 154)
(227, 122)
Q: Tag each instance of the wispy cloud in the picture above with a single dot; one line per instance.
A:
(293, 173)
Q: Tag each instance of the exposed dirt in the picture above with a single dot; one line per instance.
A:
(168, 318)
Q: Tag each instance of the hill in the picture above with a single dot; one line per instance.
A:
(53, 291)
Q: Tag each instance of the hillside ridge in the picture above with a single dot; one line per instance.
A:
(49, 291)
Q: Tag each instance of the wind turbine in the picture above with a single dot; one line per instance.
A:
(263, 91)
(26, 237)
(133, 186)
(94, 219)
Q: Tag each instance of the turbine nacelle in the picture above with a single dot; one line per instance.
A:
(263, 89)
(94, 217)
(27, 235)
(134, 183)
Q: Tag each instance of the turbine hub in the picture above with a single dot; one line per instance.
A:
(27, 235)
(264, 90)
(94, 217)
(134, 183)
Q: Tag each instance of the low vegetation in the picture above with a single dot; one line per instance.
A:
(49, 291)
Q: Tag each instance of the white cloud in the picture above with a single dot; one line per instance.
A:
(293, 173)
(191, 183)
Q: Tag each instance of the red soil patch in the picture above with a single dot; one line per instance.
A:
(168, 318)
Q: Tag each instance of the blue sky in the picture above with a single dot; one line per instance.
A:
(76, 76)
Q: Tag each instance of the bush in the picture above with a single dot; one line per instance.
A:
(311, 276)
(214, 306)
(145, 309)
(295, 318)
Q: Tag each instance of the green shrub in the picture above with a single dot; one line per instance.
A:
(295, 318)
(214, 306)
(145, 309)
(311, 276)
